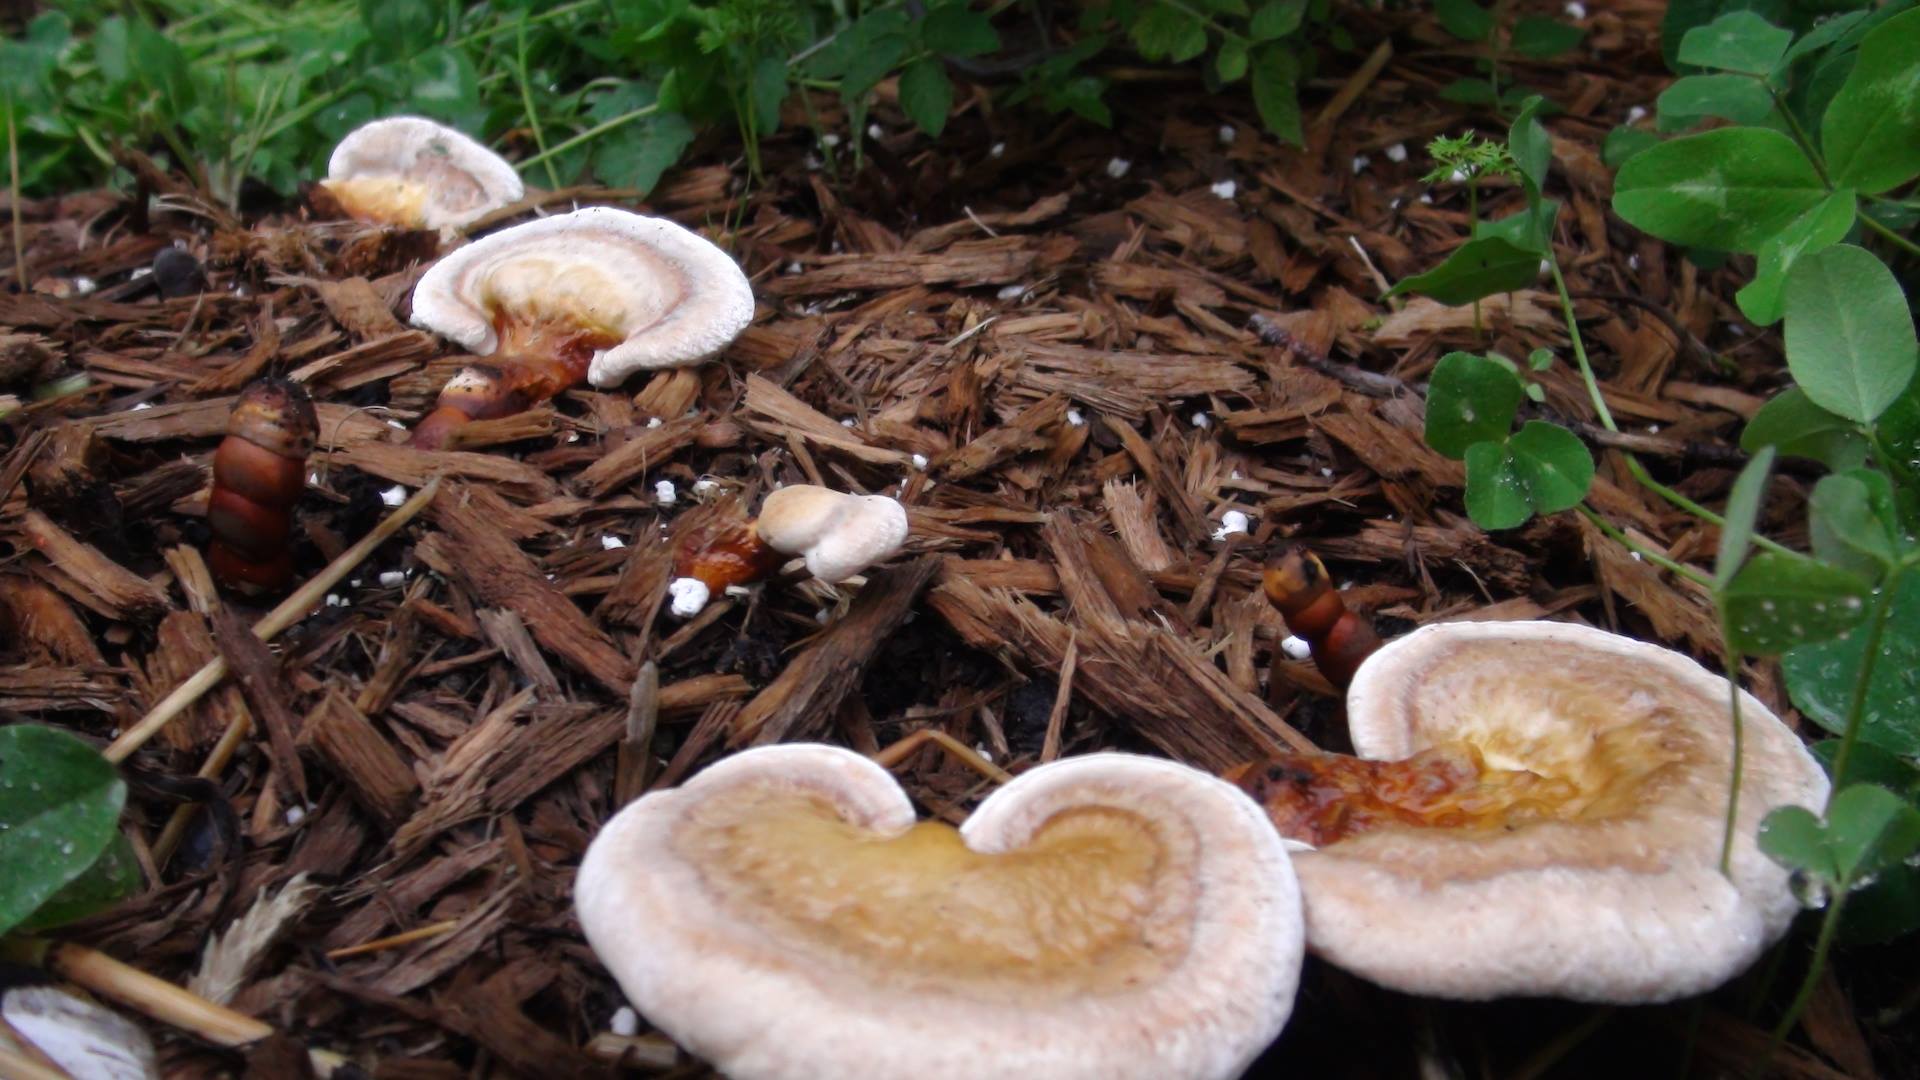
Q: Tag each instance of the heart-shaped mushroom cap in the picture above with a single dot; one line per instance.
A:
(662, 295)
(783, 916)
(411, 171)
(1587, 862)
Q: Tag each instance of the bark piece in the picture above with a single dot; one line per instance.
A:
(258, 675)
(340, 736)
(809, 690)
(121, 592)
(472, 551)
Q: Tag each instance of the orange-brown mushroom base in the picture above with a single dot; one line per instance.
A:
(726, 552)
(1323, 798)
(1090, 903)
(535, 361)
(1564, 750)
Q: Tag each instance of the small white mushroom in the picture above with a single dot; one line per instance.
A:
(408, 170)
(838, 534)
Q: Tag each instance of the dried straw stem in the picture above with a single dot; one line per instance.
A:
(291, 610)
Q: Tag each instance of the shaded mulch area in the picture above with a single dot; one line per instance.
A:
(1046, 355)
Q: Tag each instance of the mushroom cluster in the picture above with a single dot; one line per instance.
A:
(1539, 809)
(784, 916)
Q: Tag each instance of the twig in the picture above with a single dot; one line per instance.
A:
(216, 763)
(1370, 383)
(1057, 718)
(291, 610)
(157, 998)
(898, 752)
(394, 941)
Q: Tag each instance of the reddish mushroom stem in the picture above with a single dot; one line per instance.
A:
(1297, 585)
(539, 362)
(726, 553)
(1322, 798)
(259, 473)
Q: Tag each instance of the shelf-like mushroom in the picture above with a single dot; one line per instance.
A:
(785, 917)
(838, 534)
(597, 294)
(1540, 811)
(410, 171)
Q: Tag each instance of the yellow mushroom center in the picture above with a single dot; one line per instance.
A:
(1099, 898)
(394, 199)
(549, 288)
(1506, 733)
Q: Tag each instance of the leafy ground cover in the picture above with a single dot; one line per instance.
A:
(1488, 306)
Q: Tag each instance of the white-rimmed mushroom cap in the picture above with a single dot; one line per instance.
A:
(1609, 892)
(839, 534)
(1107, 917)
(666, 295)
(408, 170)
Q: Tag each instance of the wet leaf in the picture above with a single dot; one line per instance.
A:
(1737, 41)
(1743, 507)
(59, 806)
(1730, 189)
(113, 877)
(1820, 677)
(1496, 496)
(1470, 399)
(1538, 37)
(1779, 601)
(1791, 422)
(1554, 465)
(1871, 134)
(1852, 521)
(1821, 227)
(1849, 333)
(926, 95)
(1690, 100)
(1477, 269)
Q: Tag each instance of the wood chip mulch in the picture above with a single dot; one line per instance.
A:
(1058, 369)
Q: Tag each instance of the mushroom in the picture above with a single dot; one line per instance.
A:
(410, 171)
(1540, 811)
(1297, 585)
(784, 916)
(839, 535)
(599, 293)
(259, 474)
